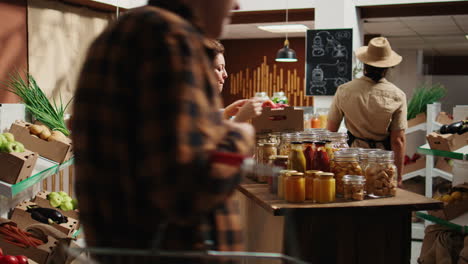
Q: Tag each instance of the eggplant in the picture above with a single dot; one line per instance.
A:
(44, 214)
(459, 127)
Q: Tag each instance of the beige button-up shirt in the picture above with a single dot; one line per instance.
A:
(371, 110)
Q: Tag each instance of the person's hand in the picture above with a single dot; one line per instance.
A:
(251, 108)
(233, 109)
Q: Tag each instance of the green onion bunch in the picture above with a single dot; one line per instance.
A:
(425, 94)
(51, 115)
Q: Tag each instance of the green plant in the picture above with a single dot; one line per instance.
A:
(51, 115)
(425, 94)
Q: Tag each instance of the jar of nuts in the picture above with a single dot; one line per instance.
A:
(345, 163)
(381, 174)
(354, 187)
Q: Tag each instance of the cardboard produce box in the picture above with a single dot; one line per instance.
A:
(41, 200)
(54, 150)
(40, 254)
(17, 166)
(288, 119)
(24, 219)
(447, 142)
(419, 119)
(443, 165)
(456, 208)
(414, 166)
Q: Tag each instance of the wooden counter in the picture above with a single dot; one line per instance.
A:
(372, 231)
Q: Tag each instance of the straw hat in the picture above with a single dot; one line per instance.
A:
(378, 54)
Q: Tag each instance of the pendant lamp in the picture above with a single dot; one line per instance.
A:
(286, 54)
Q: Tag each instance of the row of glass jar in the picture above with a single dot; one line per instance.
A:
(315, 186)
(379, 173)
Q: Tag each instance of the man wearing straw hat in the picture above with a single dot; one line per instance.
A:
(373, 107)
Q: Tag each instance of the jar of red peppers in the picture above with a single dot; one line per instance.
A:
(321, 159)
(309, 152)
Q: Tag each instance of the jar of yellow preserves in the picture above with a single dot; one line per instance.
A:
(294, 187)
(283, 174)
(310, 175)
(324, 188)
(346, 163)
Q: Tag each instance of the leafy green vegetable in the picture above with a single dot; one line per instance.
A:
(425, 94)
(51, 115)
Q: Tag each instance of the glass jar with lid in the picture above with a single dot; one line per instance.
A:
(309, 151)
(282, 176)
(324, 188)
(285, 144)
(297, 159)
(354, 187)
(263, 96)
(310, 176)
(279, 98)
(269, 149)
(339, 140)
(381, 174)
(294, 188)
(345, 163)
(321, 159)
(364, 157)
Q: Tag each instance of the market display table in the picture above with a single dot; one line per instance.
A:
(362, 232)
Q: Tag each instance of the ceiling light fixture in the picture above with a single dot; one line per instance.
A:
(466, 36)
(291, 28)
(286, 54)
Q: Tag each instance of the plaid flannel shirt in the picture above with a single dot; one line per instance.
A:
(146, 123)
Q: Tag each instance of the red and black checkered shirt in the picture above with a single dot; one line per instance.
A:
(146, 122)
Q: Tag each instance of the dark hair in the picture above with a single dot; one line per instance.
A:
(175, 6)
(375, 73)
(217, 47)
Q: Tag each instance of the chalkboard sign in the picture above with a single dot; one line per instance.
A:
(329, 60)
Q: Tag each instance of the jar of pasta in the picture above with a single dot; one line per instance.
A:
(381, 174)
(269, 149)
(324, 188)
(297, 159)
(281, 178)
(346, 162)
(294, 188)
(354, 187)
(285, 143)
(310, 176)
(364, 157)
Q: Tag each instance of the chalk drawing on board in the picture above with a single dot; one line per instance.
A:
(339, 51)
(317, 47)
(342, 68)
(318, 81)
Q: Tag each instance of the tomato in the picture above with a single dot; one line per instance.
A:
(7, 259)
(22, 259)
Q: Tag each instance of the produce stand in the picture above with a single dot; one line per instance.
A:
(370, 231)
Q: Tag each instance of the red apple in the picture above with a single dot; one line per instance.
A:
(8, 259)
(22, 259)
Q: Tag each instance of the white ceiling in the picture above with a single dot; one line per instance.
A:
(441, 35)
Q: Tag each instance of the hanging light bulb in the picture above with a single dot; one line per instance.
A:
(286, 54)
